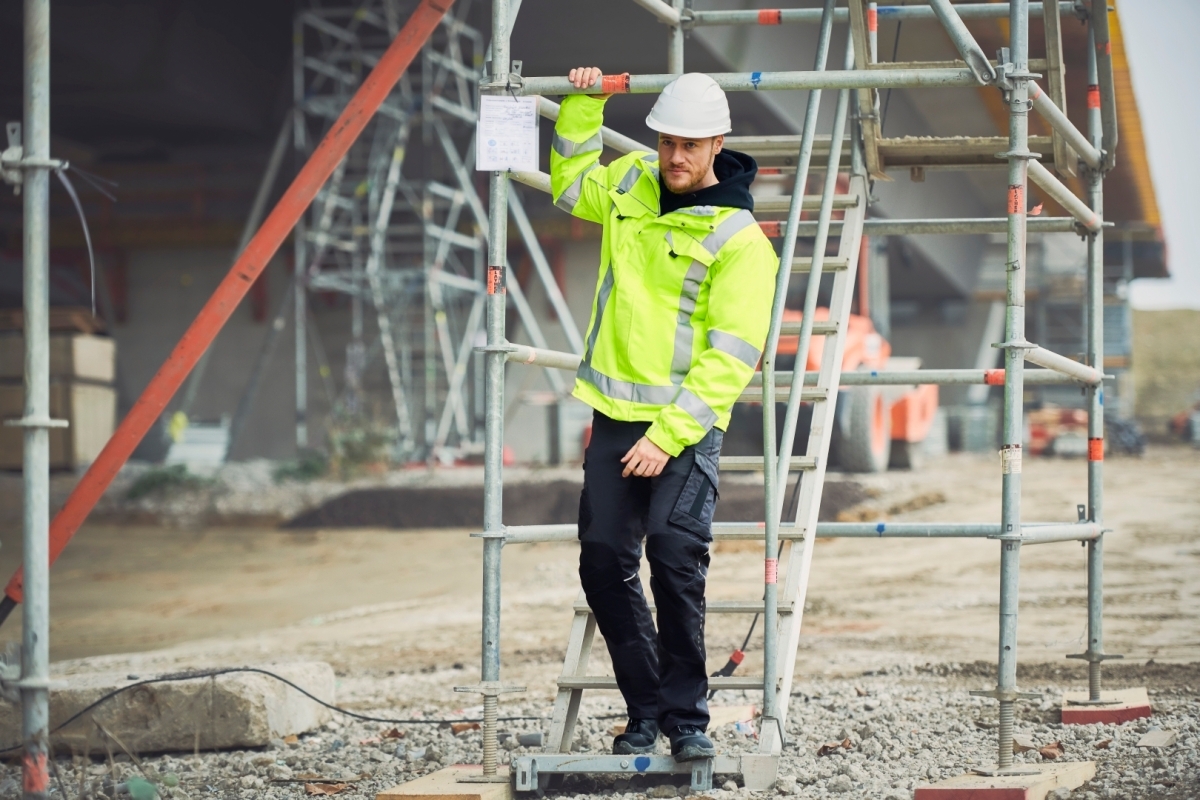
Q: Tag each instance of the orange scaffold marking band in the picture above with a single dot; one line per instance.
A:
(1095, 449)
(1104, 48)
(495, 280)
(772, 571)
(1093, 96)
(1016, 199)
(770, 16)
(615, 84)
(35, 775)
(993, 377)
(872, 20)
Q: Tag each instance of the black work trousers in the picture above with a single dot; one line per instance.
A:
(661, 674)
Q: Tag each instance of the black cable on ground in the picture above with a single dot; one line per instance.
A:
(213, 673)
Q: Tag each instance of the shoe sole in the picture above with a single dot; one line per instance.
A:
(625, 749)
(693, 753)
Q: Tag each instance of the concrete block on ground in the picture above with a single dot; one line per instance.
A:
(1010, 787)
(444, 785)
(235, 710)
(1120, 706)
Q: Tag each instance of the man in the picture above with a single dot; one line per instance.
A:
(678, 323)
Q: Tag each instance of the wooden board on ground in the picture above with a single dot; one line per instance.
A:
(1010, 787)
(1120, 705)
(444, 784)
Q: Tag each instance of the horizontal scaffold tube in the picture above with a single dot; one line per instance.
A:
(534, 180)
(899, 78)
(1059, 370)
(1053, 361)
(1057, 190)
(663, 12)
(1031, 532)
(1059, 121)
(782, 16)
(918, 377)
(913, 227)
(538, 357)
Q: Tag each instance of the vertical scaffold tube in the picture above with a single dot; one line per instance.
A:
(1014, 384)
(35, 644)
(675, 43)
(493, 465)
(772, 491)
(300, 242)
(1095, 350)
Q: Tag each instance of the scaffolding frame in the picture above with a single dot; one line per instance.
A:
(1095, 152)
(412, 248)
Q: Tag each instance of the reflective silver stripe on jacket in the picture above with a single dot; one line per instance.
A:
(727, 230)
(696, 408)
(567, 149)
(570, 196)
(615, 389)
(601, 301)
(735, 346)
(681, 359)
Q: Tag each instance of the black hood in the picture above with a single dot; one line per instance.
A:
(734, 170)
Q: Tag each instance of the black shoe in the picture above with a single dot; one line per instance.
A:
(639, 737)
(688, 743)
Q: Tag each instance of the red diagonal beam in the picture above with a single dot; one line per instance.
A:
(237, 283)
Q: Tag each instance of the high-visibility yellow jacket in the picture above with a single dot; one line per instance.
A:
(683, 301)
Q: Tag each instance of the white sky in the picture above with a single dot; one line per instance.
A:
(1160, 38)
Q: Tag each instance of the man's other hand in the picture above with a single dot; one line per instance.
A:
(645, 459)
(583, 77)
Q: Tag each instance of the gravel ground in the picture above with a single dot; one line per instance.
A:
(891, 731)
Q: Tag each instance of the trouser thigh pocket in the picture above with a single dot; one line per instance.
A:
(697, 502)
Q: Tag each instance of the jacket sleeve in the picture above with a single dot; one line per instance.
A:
(739, 314)
(579, 183)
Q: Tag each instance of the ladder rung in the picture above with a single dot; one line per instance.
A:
(832, 264)
(820, 328)
(751, 531)
(750, 682)
(810, 394)
(713, 607)
(779, 204)
(755, 463)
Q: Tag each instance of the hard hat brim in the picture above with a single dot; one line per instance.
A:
(673, 130)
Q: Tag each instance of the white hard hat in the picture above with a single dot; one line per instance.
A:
(693, 106)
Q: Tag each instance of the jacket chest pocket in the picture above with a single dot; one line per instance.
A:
(697, 501)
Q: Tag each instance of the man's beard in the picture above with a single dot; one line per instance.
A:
(694, 179)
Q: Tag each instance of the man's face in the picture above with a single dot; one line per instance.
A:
(687, 164)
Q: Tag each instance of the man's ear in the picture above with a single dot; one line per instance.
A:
(718, 143)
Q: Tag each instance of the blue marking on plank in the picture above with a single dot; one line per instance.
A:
(880, 528)
(641, 763)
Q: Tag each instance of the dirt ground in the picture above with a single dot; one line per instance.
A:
(379, 599)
